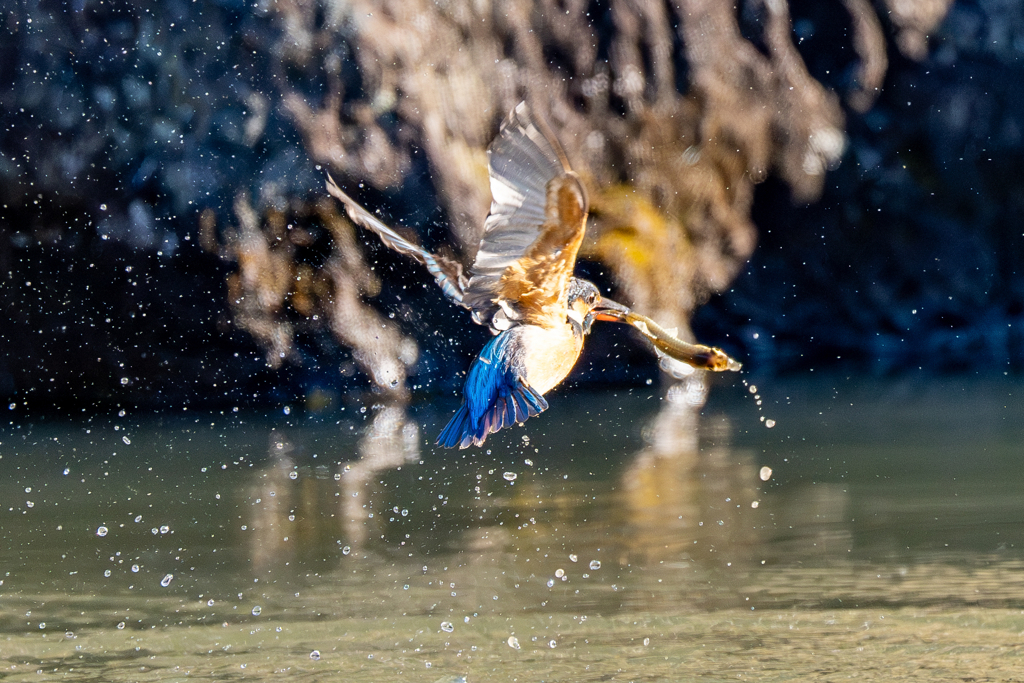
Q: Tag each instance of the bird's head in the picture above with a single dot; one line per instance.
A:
(587, 305)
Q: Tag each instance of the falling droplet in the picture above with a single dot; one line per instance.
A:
(293, 475)
(573, 557)
(346, 550)
(315, 655)
(447, 626)
(101, 531)
(127, 441)
(766, 473)
(120, 626)
(166, 581)
(769, 423)
(595, 564)
(513, 642)
(510, 476)
(257, 610)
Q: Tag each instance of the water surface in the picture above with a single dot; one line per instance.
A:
(620, 536)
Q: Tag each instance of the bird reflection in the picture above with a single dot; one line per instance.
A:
(521, 284)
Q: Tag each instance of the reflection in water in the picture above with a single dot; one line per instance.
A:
(292, 504)
(391, 442)
(684, 502)
(688, 505)
(622, 525)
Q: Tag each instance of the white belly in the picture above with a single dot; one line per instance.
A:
(549, 354)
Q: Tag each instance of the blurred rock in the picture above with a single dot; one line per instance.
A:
(125, 122)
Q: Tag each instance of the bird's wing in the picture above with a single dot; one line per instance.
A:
(534, 231)
(496, 395)
(447, 272)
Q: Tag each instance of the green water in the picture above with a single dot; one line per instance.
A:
(618, 537)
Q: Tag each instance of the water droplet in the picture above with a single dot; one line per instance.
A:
(647, 641)
(70, 635)
(754, 504)
(315, 655)
(124, 381)
(595, 564)
(559, 572)
(573, 557)
(107, 573)
(166, 581)
(552, 643)
(293, 475)
(510, 476)
(209, 603)
(346, 550)
(405, 513)
(752, 388)
(101, 531)
(67, 470)
(257, 610)
(551, 583)
(164, 529)
(287, 410)
(135, 568)
(769, 423)
(138, 518)
(120, 626)
(29, 503)
(447, 626)
(766, 473)
(513, 642)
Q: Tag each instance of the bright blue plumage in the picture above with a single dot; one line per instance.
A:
(495, 395)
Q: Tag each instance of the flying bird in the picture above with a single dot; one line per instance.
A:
(521, 284)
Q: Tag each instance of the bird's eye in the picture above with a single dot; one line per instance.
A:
(591, 299)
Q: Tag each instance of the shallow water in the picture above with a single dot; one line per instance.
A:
(619, 537)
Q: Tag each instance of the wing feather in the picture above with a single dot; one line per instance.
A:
(532, 235)
(447, 272)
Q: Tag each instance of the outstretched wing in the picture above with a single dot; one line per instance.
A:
(447, 272)
(534, 231)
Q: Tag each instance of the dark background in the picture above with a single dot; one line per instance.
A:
(910, 259)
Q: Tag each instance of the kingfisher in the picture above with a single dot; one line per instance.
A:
(521, 284)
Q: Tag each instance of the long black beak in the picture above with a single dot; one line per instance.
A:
(610, 311)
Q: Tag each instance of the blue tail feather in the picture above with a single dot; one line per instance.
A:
(496, 396)
(452, 435)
